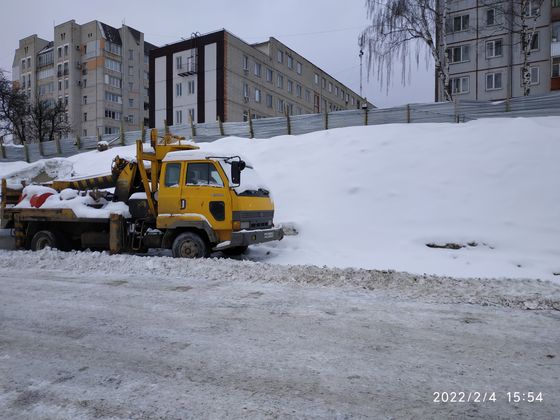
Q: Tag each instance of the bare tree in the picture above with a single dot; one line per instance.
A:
(48, 119)
(14, 109)
(404, 29)
(519, 18)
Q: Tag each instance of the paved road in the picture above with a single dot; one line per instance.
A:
(115, 346)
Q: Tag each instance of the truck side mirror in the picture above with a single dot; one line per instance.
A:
(236, 168)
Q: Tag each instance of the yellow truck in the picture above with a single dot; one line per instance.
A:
(172, 196)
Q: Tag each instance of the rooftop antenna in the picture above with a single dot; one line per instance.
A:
(361, 43)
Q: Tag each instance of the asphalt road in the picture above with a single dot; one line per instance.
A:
(115, 346)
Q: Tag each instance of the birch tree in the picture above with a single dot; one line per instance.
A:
(403, 31)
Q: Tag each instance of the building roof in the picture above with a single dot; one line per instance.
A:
(111, 34)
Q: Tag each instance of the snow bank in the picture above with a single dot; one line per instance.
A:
(374, 197)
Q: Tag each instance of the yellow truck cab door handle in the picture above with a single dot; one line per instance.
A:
(183, 204)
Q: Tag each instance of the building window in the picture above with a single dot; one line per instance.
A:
(85, 116)
(307, 95)
(113, 97)
(330, 87)
(290, 86)
(179, 89)
(66, 69)
(246, 90)
(494, 48)
(66, 83)
(85, 100)
(179, 117)
(280, 81)
(131, 54)
(535, 41)
(269, 100)
(460, 85)
(190, 87)
(493, 81)
(290, 62)
(65, 50)
(337, 91)
(66, 100)
(299, 67)
(191, 114)
(59, 85)
(316, 78)
(280, 105)
(245, 63)
(257, 95)
(28, 62)
(113, 115)
(459, 54)
(131, 86)
(280, 56)
(298, 91)
(324, 83)
(460, 23)
(130, 102)
(534, 76)
(113, 81)
(113, 48)
(84, 133)
(23, 64)
(130, 71)
(84, 83)
(269, 75)
(113, 65)
(532, 8)
(257, 69)
(491, 17)
(556, 67)
(59, 51)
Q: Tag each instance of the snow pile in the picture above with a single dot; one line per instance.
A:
(523, 294)
(485, 196)
(80, 202)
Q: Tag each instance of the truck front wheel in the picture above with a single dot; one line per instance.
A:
(43, 239)
(189, 245)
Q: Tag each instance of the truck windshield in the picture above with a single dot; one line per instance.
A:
(251, 183)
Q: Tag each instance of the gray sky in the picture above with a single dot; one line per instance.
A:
(323, 31)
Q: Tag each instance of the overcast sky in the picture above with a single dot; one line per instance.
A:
(323, 31)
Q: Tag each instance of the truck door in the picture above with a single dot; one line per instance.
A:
(169, 194)
(206, 193)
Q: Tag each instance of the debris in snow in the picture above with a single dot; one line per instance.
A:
(449, 245)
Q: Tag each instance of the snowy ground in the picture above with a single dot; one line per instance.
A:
(374, 197)
(89, 335)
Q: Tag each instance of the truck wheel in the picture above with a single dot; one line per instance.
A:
(43, 239)
(189, 245)
(236, 250)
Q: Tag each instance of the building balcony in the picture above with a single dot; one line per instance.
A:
(555, 48)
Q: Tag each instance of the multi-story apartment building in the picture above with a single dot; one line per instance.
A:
(485, 49)
(99, 72)
(220, 76)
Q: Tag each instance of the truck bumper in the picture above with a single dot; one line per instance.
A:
(250, 237)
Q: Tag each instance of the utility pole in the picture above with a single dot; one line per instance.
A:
(361, 43)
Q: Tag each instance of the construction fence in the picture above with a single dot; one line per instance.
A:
(442, 112)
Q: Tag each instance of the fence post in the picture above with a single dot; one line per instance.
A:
(41, 148)
(26, 151)
(122, 132)
(98, 134)
(326, 119)
(58, 148)
(251, 131)
(221, 126)
(408, 113)
(288, 123)
(456, 109)
(78, 142)
(193, 128)
(508, 105)
(2, 148)
(143, 131)
(366, 111)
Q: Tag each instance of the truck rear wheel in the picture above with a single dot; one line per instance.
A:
(43, 239)
(189, 245)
